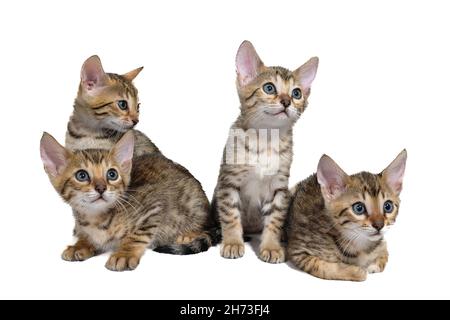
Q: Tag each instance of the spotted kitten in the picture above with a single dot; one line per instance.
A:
(127, 204)
(337, 222)
(107, 106)
(252, 193)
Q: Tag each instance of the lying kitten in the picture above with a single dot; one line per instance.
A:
(252, 191)
(107, 106)
(127, 205)
(337, 222)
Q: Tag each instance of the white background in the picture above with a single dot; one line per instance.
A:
(382, 86)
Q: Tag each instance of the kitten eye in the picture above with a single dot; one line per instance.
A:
(122, 104)
(388, 206)
(297, 94)
(359, 208)
(269, 88)
(82, 175)
(112, 174)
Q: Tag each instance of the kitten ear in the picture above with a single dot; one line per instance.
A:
(307, 72)
(393, 174)
(92, 74)
(123, 151)
(132, 74)
(54, 156)
(248, 63)
(331, 177)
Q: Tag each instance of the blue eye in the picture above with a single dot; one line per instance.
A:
(122, 104)
(359, 208)
(269, 88)
(388, 206)
(297, 94)
(82, 175)
(112, 174)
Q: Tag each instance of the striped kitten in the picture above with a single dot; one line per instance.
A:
(107, 106)
(337, 222)
(127, 204)
(252, 191)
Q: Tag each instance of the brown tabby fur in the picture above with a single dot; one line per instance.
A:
(328, 240)
(97, 122)
(254, 197)
(159, 205)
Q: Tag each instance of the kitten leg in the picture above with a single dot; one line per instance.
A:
(230, 220)
(328, 270)
(129, 253)
(80, 251)
(271, 249)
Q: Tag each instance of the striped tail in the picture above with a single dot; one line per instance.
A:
(206, 240)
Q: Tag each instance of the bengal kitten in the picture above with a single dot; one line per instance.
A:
(252, 195)
(337, 222)
(107, 106)
(127, 204)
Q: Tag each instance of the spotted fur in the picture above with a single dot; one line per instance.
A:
(326, 238)
(97, 121)
(154, 203)
(253, 197)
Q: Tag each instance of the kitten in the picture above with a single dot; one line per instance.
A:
(127, 204)
(107, 106)
(252, 193)
(337, 222)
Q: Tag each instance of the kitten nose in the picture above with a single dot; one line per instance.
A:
(100, 188)
(285, 100)
(135, 122)
(378, 224)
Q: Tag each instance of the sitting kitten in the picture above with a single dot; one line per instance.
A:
(127, 204)
(107, 106)
(252, 193)
(337, 222)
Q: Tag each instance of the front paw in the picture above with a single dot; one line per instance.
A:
(276, 254)
(378, 266)
(122, 262)
(73, 253)
(232, 250)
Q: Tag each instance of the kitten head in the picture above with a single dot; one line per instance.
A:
(271, 97)
(91, 181)
(362, 204)
(107, 100)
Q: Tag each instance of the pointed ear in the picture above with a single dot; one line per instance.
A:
(92, 74)
(248, 63)
(132, 74)
(393, 174)
(331, 177)
(54, 156)
(123, 151)
(307, 72)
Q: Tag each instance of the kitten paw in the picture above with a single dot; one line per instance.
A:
(73, 253)
(357, 274)
(272, 255)
(232, 250)
(122, 262)
(378, 266)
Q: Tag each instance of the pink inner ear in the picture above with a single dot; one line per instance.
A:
(247, 63)
(307, 73)
(53, 156)
(92, 72)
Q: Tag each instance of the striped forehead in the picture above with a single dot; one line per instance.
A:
(90, 157)
(122, 86)
(368, 184)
